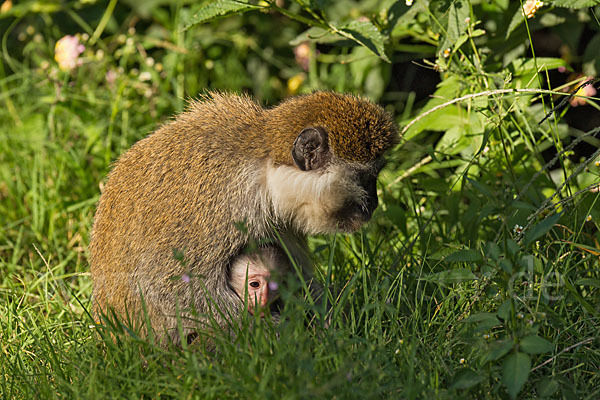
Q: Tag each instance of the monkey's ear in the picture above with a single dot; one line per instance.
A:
(311, 150)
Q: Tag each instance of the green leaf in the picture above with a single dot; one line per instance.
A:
(451, 276)
(481, 187)
(588, 282)
(575, 3)
(366, 34)
(512, 247)
(484, 320)
(535, 345)
(441, 120)
(591, 57)
(450, 20)
(515, 371)
(525, 66)
(319, 35)
(31, 7)
(540, 229)
(482, 316)
(466, 378)
(492, 251)
(550, 19)
(467, 255)
(523, 205)
(504, 310)
(547, 387)
(506, 265)
(498, 350)
(453, 141)
(516, 20)
(219, 9)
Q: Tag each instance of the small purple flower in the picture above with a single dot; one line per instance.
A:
(273, 286)
(111, 77)
(185, 278)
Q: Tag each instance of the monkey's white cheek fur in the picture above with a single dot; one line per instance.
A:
(309, 199)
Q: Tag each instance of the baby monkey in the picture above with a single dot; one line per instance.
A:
(251, 274)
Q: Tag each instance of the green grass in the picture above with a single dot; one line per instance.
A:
(440, 296)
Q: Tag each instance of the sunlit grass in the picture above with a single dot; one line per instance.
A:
(467, 279)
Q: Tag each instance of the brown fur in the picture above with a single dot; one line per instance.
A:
(186, 185)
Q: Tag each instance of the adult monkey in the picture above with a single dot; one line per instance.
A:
(306, 166)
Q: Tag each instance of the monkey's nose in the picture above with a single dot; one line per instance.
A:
(372, 203)
(362, 212)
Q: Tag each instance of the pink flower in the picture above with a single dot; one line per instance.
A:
(111, 77)
(67, 51)
(302, 55)
(588, 91)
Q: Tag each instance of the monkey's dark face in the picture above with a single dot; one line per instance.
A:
(322, 193)
(361, 202)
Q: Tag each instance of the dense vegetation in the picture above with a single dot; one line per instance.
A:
(479, 275)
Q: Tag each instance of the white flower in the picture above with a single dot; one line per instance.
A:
(145, 76)
(530, 7)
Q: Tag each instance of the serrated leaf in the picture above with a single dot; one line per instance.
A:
(467, 255)
(466, 378)
(504, 310)
(540, 229)
(219, 9)
(512, 247)
(535, 345)
(482, 316)
(492, 250)
(453, 17)
(498, 350)
(575, 3)
(483, 320)
(506, 265)
(515, 371)
(366, 34)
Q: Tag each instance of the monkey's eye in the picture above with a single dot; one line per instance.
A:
(255, 284)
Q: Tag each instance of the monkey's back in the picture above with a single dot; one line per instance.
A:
(165, 194)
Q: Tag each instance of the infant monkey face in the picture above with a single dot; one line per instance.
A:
(251, 276)
(258, 290)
